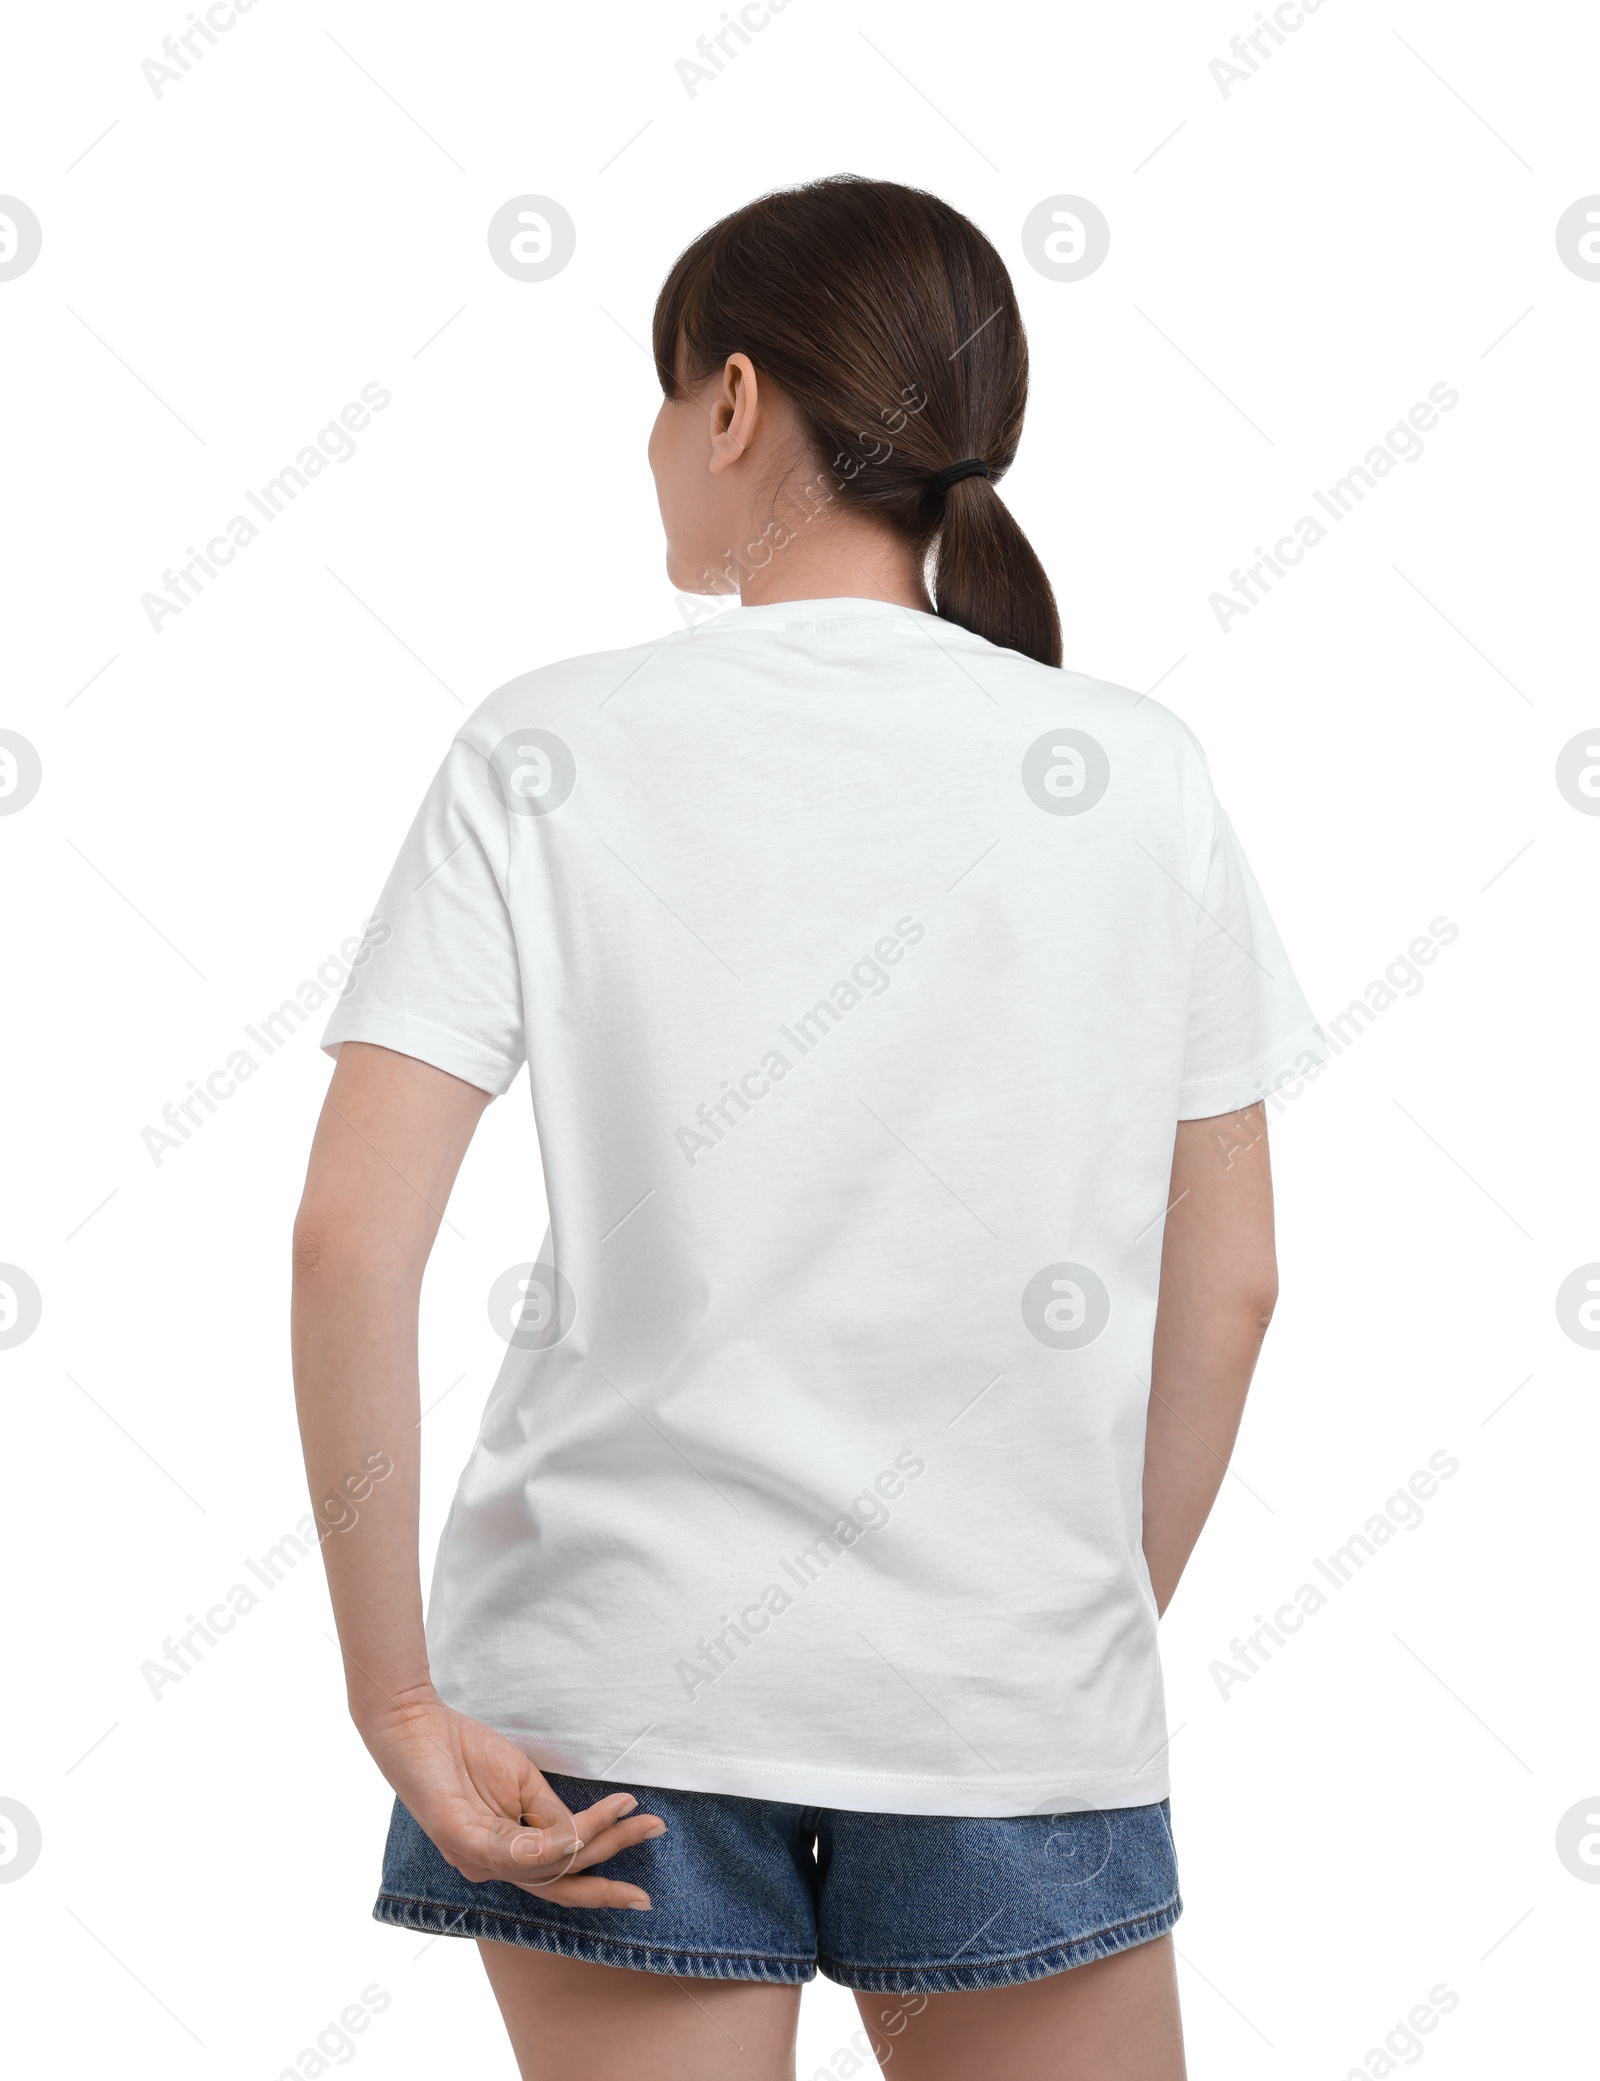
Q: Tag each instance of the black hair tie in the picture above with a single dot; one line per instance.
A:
(957, 470)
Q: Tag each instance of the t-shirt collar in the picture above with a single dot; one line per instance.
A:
(804, 614)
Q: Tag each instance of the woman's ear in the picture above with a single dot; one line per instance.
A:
(734, 406)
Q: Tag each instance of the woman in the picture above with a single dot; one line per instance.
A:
(896, 1006)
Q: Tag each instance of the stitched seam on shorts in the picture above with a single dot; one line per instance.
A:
(978, 1965)
(452, 1908)
(860, 1973)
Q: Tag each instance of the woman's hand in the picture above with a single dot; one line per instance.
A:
(492, 1815)
(389, 1143)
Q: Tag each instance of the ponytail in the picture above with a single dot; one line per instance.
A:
(890, 323)
(987, 578)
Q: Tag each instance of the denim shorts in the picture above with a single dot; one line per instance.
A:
(749, 1889)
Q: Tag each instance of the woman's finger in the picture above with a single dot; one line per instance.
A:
(590, 1893)
(635, 1828)
(538, 1856)
(545, 1816)
(604, 1812)
(542, 1803)
(554, 1855)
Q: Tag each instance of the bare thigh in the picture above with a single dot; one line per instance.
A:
(572, 2021)
(1114, 2020)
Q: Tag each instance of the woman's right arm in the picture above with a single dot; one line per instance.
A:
(1219, 1284)
(388, 1146)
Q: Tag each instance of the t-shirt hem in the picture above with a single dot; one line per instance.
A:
(1200, 1098)
(798, 1783)
(409, 1034)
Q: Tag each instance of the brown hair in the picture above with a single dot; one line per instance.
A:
(889, 321)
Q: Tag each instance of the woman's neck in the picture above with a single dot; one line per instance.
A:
(850, 559)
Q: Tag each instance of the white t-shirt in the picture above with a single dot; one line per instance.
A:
(863, 970)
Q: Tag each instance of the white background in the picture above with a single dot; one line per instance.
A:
(1292, 265)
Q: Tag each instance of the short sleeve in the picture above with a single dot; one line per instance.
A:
(1249, 1024)
(437, 974)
